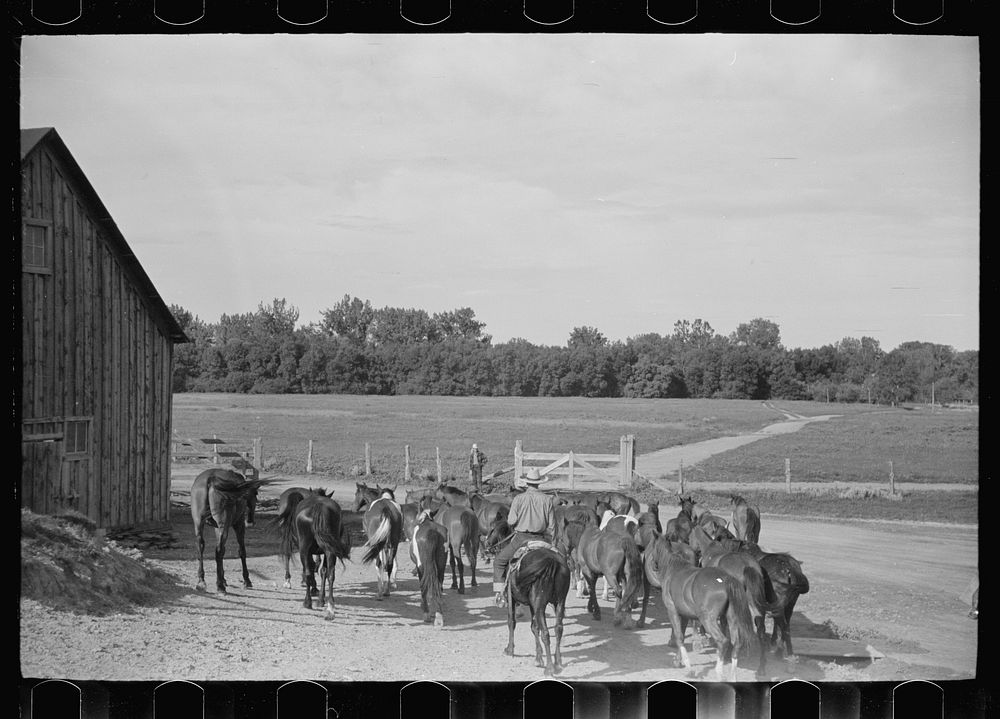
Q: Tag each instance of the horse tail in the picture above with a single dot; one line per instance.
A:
(544, 569)
(329, 533)
(376, 543)
(285, 522)
(753, 580)
(633, 572)
(752, 531)
(738, 617)
(430, 580)
(388, 532)
(470, 528)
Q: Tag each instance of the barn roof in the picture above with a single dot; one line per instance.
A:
(32, 138)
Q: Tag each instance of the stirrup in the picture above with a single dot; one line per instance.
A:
(501, 599)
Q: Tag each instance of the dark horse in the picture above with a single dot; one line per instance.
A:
(225, 500)
(746, 519)
(570, 521)
(708, 595)
(383, 522)
(287, 503)
(453, 496)
(316, 524)
(679, 528)
(462, 526)
(730, 556)
(784, 573)
(616, 558)
(428, 552)
(539, 578)
(488, 513)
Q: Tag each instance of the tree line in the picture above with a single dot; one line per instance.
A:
(357, 349)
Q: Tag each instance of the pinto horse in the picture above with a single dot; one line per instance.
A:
(225, 500)
(363, 498)
(746, 519)
(383, 522)
(316, 523)
(283, 521)
(462, 526)
(429, 554)
(623, 524)
(710, 596)
(615, 557)
(539, 578)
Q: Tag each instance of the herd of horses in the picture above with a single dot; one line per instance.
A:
(710, 572)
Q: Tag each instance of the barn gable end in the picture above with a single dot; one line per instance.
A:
(97, 353)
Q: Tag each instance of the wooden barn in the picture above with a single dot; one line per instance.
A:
(97, 353)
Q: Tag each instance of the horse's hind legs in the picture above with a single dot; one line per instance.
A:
(454, 576)
(560, 613)
(200, 584)
(239, 530)
(511, 623)
(461, 574)
(472, 566)
(542, 640)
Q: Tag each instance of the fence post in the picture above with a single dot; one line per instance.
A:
(572, 479)
(518, 461)
(215, 450)
(309, 458)
(406, 466)
(368, 458)
(258, 454)
(788, 475)
(627, 460)
(437, 452)
(680, 478)
(892, 479)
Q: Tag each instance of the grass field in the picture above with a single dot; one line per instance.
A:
(924, 446)
(340, 425)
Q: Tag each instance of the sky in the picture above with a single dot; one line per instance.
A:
(827, 183)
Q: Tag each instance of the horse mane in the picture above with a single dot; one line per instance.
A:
(785, 557)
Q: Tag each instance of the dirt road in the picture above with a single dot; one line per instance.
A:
(896, 588)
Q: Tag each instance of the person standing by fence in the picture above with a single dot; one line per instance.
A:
(477, 460)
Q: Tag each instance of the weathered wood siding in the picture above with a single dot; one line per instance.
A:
(91, 349)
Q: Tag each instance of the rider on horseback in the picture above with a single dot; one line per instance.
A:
(532, 517)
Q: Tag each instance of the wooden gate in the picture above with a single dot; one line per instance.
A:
(579, 469)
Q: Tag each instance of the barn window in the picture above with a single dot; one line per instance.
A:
(36, 253)
(77, 436)
(42, 430)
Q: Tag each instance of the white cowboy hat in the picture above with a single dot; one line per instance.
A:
(534, 477)
(475, 446)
